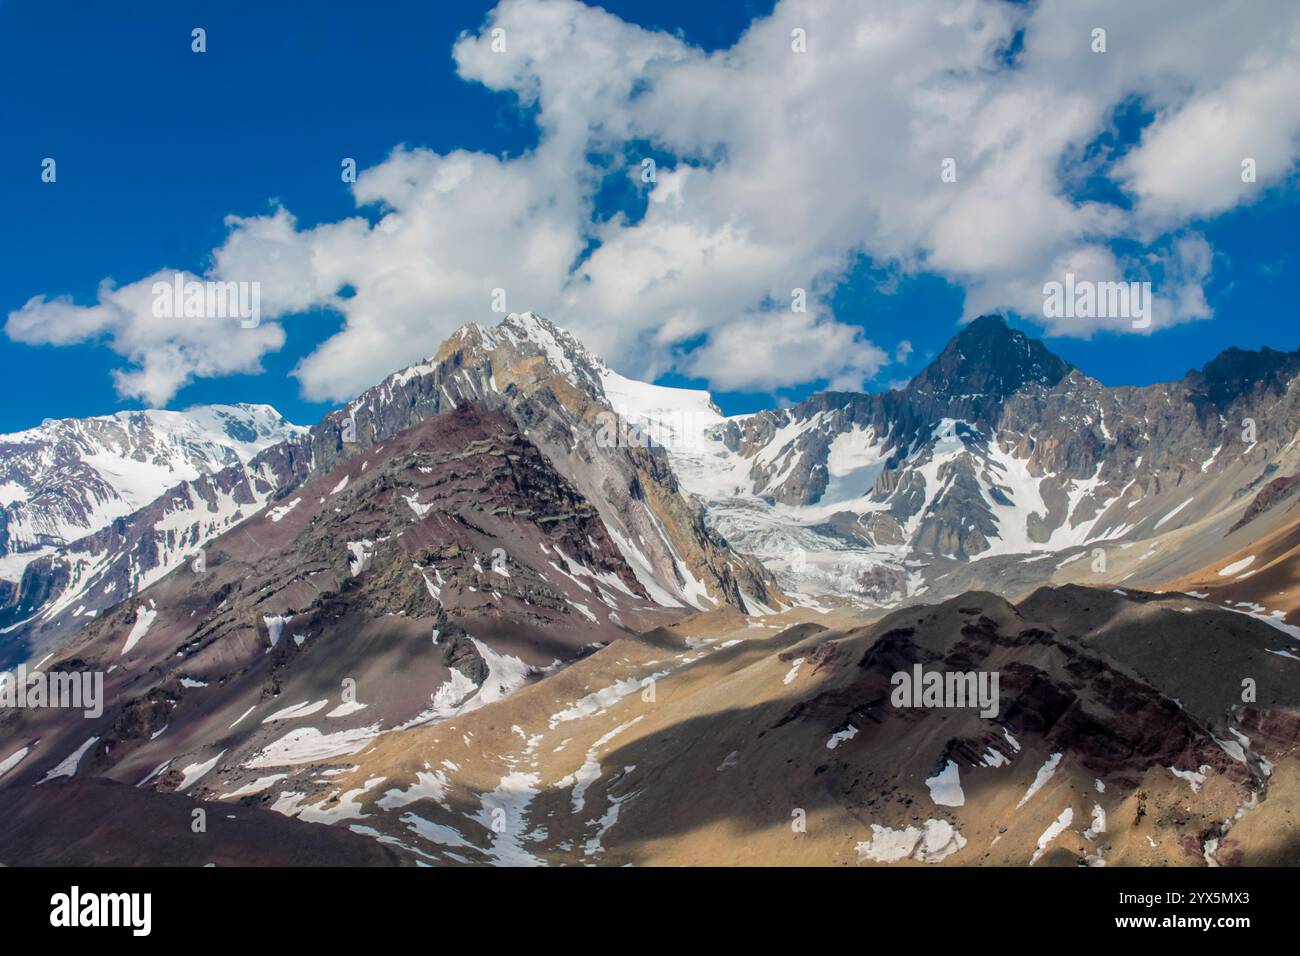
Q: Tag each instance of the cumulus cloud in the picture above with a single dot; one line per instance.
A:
(1191, 158)
(767, 350)
(165, 352)
(786, 168)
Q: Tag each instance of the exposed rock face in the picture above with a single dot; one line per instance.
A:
(982, 366)
(1051, 688)
(998, 448)
(554, 390)
(1004, 389)
(1237, 374)
(436, 572)
(527, 368)
(968, 383)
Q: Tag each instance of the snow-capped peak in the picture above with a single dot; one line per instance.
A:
(244, 428)
(67, 478)
(562, 350)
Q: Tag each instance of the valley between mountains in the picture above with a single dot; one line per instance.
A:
(509, 607)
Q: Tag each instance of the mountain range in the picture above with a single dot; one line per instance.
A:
(996, 457)
(507, 606)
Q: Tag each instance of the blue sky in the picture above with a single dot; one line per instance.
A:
(156, 146)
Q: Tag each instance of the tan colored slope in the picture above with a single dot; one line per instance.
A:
(1261, 575)
(706, 743)
(662, 693)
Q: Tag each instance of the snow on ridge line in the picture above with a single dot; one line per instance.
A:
(599, 701)
(189, 521)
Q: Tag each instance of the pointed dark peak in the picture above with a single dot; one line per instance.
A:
(1235, 373)
(990, 324)
(989, 359)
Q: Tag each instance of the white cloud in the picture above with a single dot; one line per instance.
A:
(791, 165)
(165, 353)
(767, 350)
(1190, 160)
